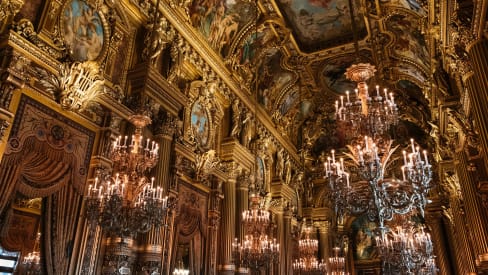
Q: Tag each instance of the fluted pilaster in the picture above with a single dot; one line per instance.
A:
(478, 87)
(287, 215)
(458, 241)
(435, 223)
(242, 203)
(475, 213)
(324, 243)
(227, 235)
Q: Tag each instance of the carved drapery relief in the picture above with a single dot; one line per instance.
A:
(192, 224)
(77, 85)
(48, 152)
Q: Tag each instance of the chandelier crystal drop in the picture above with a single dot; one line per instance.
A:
(406, 249)
(124, 202)
(308, 262)
(259, 248)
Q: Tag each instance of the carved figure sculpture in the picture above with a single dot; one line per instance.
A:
(247, 130)
(157, 39)
(236, 119)
(280, 163)
(287, 170)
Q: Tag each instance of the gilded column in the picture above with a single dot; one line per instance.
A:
(475, 213)
(286, 248)
(435, 223)
(214, 216)
(478, 86)
(458, 240)
(280, 236)
(324, 244)
(242, 203)
(227, 235)
(164, 137)
(152, 243)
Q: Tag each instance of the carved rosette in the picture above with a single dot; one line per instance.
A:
(360, 72)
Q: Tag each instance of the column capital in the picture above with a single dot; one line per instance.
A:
(166, 125)
(323, 226)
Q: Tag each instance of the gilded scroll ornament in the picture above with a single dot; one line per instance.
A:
(77, 85)
(205, 163)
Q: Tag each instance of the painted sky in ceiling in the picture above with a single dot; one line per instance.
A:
(320, 24)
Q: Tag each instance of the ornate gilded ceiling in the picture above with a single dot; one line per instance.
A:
(300, 50)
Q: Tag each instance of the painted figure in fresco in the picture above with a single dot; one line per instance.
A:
(280, 163)
(199, 123)
(364, 242)
(83, 31)
(247, 130)
(236, 119)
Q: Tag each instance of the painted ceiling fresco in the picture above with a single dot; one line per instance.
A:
(302, 48)
(409, 41)
(332, 74)
(320, 24)
(274, 81)
(221, 20)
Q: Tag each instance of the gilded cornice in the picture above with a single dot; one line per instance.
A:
(23, 46)
(157, 87)
(232, 150)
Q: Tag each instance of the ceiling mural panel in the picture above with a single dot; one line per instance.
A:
(221, 20)
(274, 81)
(412, 5)
(320, 24)
(333, 76)
(409, 41)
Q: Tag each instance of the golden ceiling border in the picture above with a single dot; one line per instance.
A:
(207, 54)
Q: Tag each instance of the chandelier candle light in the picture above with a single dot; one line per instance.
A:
(125, 202)
(337, 264)
(258, 249)
(308, 262)
(406, 250)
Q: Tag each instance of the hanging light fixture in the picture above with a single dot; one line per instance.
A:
(308, 262)
(406, 249)
(259, 248)
(125, 202)
(364, 114)
(337, 263)
(31, 264)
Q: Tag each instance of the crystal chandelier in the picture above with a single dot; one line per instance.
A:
(364, 114)
(370, 150)
(308, 262)
(407, 249)
(337, 264)
(31, 263)
(259, 248)
(125, 202)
